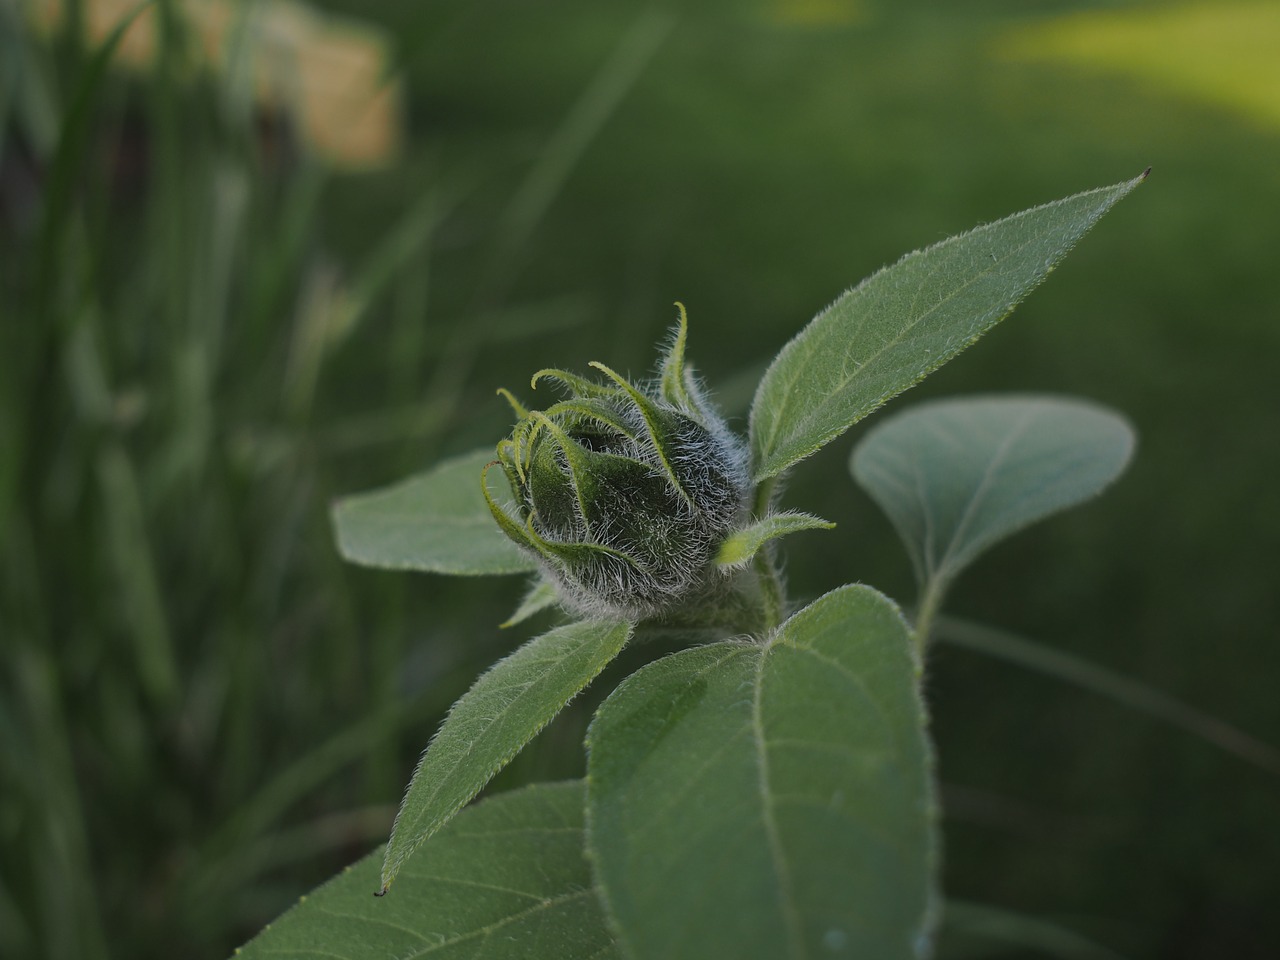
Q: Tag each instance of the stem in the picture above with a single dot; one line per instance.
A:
(926, 612)
(764, 497)
(773, 601)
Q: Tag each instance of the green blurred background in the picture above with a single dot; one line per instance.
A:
(209, 329)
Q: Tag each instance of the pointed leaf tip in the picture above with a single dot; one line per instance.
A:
(476, 887)
(504, 709)
(902, 323)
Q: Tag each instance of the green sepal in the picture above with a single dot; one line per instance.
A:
(516, 405)
(674, 387)
(595, 409)
(551, 495)
(575, 384)
(509, 526)
(653, 422)
(577, 555)
(583, 481)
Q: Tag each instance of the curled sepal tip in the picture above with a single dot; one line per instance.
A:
(674, 378)
(624, 492)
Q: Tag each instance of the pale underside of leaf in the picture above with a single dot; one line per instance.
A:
(507, 879)
(786, 785)
(503, 710)
(957, 476)
(905, 321)
(437, 521)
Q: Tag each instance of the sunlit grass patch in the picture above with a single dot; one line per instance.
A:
(1221, 53)
(818, 13)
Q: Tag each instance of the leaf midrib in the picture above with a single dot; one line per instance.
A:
(786, 895)
(806, 419)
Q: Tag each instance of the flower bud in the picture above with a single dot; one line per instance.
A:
(622, 492)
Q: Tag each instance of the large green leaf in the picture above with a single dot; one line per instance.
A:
(437, 521)
(506, 880)
(770, 800)
(956, 476)
(905, 321)
(503, 710)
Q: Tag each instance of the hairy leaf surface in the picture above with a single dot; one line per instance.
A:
(738, 549)
(503, 710)
(436, 521)
(902, 323)
(506, 880)
(956, 476)
(770, 800)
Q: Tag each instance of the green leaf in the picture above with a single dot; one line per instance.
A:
(956, 476)
(770, 800)
(437, 521)
(541, 595)
(506, 880)
(503, 710)
(905, 321)
(743, 545)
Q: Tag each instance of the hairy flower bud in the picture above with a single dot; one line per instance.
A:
(623, 492)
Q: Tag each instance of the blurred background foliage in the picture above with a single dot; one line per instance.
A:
(269, 255)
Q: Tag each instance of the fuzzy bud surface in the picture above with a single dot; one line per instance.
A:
(624, 492)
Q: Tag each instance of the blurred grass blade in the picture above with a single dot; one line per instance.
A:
(437, 521)
(307, 772)
(540, 188)
(67, 161)
(770, 800)
(16, 937)
(137, 582)
(402, 245)
(506, 880)
(65, 909)
(902, 323)
(13, 56)
(585, 120)
(491, 722)
(230, 857)
(1123, 690)
(975, 930)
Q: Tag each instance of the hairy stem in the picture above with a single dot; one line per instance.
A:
(773, 601)
(926, 611)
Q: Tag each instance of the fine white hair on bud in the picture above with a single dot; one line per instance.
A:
(624, 492)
